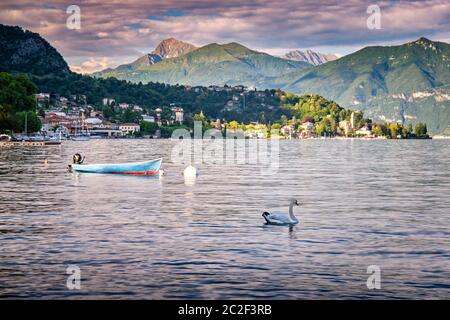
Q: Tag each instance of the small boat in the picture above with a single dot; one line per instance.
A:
(135, 168)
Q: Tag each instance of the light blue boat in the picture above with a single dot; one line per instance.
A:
(135, 168)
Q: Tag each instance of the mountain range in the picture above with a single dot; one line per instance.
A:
(409, 82)
(172, 48)
(231, 64)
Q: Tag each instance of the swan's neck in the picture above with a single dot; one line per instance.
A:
(291, 212)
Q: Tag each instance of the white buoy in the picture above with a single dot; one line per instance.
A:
(190, 172)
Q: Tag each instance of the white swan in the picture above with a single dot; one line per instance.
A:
(281, 218)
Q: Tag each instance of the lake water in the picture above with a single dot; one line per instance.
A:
(384, 203)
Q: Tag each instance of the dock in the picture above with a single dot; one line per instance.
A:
(6, 144)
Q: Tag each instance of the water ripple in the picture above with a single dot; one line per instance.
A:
(364, 203)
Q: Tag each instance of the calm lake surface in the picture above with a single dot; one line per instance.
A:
(384, 203)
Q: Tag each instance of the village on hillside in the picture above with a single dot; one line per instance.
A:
(73, 118)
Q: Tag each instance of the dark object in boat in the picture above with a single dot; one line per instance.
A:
(77, 159)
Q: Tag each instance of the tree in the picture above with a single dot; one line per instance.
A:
(16, 96)
(201, 117)
(28, 120)
(108, 112)
(233, 125)
(130, 116)
(377, 130)
(275, 126)
(262, 117)
(410, 129)
(421, 130)
(148, 127)
(393, 130)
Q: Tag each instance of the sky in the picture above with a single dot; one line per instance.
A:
(115, 32)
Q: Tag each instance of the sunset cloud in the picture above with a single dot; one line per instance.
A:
(114, 31)
(92, 65)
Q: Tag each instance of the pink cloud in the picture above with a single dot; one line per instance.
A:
(119, 30)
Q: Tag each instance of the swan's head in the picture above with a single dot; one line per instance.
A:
(295, 202)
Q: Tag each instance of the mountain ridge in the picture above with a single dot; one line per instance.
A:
(310, 56)
(25, 51)
(230, 63)
(166, 49)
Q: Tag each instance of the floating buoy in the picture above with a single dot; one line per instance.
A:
(190, 172)
(45, 162)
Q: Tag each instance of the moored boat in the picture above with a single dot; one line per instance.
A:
(135, 168)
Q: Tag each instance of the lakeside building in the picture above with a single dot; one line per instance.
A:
(179, 114)
(348, 126)
(306, 131)
(129, 128)
(287, 130)
(72, 122)
(158, 112)
(93, 122)
(364, 131)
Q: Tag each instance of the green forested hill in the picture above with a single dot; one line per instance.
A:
(27, 52)
(388, 82)
(213, 64)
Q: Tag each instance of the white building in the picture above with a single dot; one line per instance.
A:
(93, 122)
(128, 128)
(179, 115)
(137, 109)
(147, 118)
(363, 132)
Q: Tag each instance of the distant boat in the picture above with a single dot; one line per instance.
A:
(135, 168)
(84, 134)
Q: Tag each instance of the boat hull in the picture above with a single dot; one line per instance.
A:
(132, 168)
